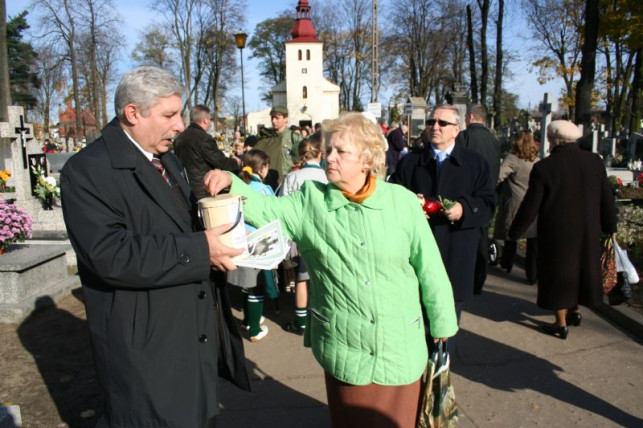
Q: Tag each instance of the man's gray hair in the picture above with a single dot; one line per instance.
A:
(453, 109)
(199, 112)
(142, 87)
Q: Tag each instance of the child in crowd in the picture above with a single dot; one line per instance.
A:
(254, 282)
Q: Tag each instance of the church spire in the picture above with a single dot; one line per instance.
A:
(303, 31)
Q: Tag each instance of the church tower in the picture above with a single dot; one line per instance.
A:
(309, 97)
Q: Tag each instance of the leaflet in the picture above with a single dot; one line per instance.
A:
(267, 247)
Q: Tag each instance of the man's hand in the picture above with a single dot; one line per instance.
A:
(454, 213)
(215, 181)
(219, 253)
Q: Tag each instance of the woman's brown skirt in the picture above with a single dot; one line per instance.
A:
(372, 405)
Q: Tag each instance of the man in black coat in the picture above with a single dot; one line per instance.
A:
(161, 326)
(396, 144)
(478, 138)
(462, 176)
(198, 152)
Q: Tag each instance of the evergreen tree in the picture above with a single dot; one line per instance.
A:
(23, 79)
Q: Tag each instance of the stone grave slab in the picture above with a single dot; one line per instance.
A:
(30, 276)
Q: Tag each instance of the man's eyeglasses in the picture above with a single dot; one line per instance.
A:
(442, 123)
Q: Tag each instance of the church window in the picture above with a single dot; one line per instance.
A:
(305, 92)
(307, 54)
(304, 71)
(299, 54)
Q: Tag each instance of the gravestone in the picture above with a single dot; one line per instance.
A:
(18, 149)
(31, 276)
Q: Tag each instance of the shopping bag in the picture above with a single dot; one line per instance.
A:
(608, 266)
(622, 292)
(438, 408)
(623, 264)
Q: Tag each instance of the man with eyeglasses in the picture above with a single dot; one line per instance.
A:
(444, 169)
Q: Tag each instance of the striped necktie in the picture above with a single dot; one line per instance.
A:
(156, 161)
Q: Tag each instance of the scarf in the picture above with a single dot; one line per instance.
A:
(363, 193)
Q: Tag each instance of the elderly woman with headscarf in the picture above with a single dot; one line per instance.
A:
(374, 268)
(571, 196)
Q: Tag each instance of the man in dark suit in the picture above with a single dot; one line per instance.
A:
(478, 138)
(446, 169)
(160, 324)
(198, 152)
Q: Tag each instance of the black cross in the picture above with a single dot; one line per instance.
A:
(22, 131)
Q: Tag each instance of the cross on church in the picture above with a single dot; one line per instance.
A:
(22, 131)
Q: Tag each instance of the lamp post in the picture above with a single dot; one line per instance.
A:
(240, 39)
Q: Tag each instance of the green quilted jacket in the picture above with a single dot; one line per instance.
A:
(373, 266)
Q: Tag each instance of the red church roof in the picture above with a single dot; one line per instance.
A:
(303, 31)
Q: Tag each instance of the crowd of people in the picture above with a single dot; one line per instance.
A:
(379, 280)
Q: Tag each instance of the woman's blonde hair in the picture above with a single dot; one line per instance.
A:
(366, 135)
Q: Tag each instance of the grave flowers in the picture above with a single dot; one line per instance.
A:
(616, 184)
(4, 177)
(46, 188)
(15, 225)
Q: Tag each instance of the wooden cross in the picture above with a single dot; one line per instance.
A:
(22, 131)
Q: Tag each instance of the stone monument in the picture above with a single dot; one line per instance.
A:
(30, 275)
(18, 151)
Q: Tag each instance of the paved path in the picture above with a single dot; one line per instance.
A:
(506, 373)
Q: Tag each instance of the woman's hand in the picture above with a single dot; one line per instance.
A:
(215, 181)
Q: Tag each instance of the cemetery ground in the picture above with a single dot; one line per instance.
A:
(506, 372)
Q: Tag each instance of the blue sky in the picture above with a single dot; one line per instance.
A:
(136, 15)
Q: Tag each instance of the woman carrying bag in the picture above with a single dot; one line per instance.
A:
(372, 276)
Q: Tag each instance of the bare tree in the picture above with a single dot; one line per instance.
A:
(345, 28)
(215, 63)
(484, 6)
(472, 57)
(155, 48)
(267, 45)
(106, 67)
(556, 27)
(58, 21)
(52, 77)
(178, 16)
(430, 39)
(100, 28)
(497, 81)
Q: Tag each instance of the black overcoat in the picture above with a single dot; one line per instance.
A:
(570, 194)
(159, 324)
(198, 152)
(464, 178)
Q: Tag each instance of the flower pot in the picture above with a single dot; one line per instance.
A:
(1, 251)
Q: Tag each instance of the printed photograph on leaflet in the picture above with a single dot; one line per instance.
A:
(267, 247)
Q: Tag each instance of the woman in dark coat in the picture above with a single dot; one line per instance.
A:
(570, 195)
(513, 180)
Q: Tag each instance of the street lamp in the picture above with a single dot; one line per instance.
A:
(240, 39)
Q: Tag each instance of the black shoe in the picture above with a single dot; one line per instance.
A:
(293, 327)
(506, 267)
(556, 331)
(574, 318)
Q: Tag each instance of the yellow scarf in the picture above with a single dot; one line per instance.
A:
(363, 193)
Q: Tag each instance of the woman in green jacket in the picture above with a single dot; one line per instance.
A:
(374, 268)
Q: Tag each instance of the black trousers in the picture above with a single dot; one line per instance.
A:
(482, 261)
